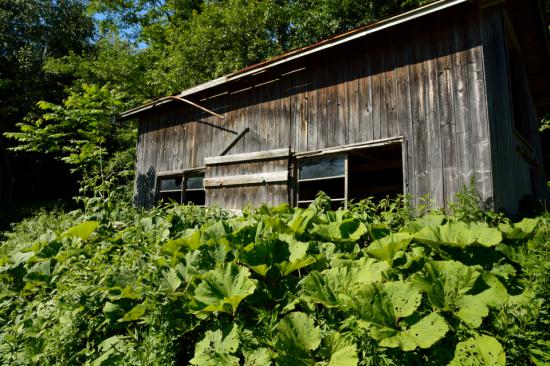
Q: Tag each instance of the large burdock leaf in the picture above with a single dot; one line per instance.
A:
(339, 350)
(301, 219)
(445, 282)
(222, 289)
(381, 308)
(485, 235)
(347, 230)
(388, 247)
(480, 350)
(332, 286)
(298, 258)
(135, 313)
(82, 231)
(452, 234)
(261, 256)
(519, 231)
(459, 234)
(424, 334)
(215, 349)
(297, 335)
(324, 290)
(258, 357)
(451, 286)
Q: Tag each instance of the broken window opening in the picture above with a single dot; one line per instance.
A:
(371, 172)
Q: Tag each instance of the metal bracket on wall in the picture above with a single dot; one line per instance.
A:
(234, 141)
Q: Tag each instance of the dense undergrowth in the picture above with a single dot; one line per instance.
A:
(371, 285)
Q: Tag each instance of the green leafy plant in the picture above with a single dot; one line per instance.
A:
(275, 286)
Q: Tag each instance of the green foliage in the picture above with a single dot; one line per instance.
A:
(181, 284)
(480, 350)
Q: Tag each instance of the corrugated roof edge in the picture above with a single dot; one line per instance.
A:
(307, 50)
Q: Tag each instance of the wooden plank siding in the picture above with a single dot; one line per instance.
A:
(425, 81)
(516, 164)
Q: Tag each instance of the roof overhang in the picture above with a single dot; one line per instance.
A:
(302, 52)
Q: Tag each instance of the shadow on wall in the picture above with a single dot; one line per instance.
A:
(145, 186)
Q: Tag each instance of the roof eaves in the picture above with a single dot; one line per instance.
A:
(308, 50)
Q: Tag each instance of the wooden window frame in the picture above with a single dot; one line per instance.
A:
(184, 177)
(320, 179)
(345, 151)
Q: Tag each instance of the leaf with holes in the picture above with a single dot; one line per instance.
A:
(480, 350)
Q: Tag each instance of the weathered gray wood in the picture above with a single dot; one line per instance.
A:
(427, 86)
(350, 147)
(447, 117)
(434, 154)
(237, 180)
(259, 155)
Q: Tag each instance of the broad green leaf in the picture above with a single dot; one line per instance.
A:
(112, 311)
(215, 349)
(423, 334)
(111, 350)
(459, 234)
(520, 230)
(480, 350)
(382, 305)
(324, 289)
(452, 234)
(172, 279)
(347, 230)
(190, 240)
(450, 287)
(298, 258)
(403, 298)
(82, 231)
(425, 221)
(346, 356)
(135, 313)
(223, 289)
(297, 332)
(333, 285)
(341, 351)
(387, 247)
(258, 357)
(301, 220)
(215, 232)
(381, 308)
(39, 271)
(261, 256)
(486, 236)
(20, 257)
(445, 282)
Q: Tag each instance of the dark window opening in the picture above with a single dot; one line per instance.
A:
(375, 172)
(182, 188)
(169, 188)
(194, 189)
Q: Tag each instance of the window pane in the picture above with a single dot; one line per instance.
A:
(195, 181)
(170, 184)
(322, 167)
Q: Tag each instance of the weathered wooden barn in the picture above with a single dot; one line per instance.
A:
(419, 103)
